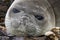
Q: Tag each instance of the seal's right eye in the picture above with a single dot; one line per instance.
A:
(15, 10)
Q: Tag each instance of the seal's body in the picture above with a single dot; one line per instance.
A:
(29, 17)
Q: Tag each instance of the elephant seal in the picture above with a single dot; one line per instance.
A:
(29, 17)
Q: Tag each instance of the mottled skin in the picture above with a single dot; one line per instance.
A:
(20, 19)
(53, 34)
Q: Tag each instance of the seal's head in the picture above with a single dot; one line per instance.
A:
(29, 17)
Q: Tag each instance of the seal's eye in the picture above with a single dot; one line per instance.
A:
(15, 10)
(39, 17)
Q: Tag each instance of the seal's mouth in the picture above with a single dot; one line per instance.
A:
(28, 25)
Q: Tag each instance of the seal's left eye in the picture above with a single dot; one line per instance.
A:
(39, 17)
(15, 10)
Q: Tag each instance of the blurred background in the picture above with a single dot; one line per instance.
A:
(4, 5)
